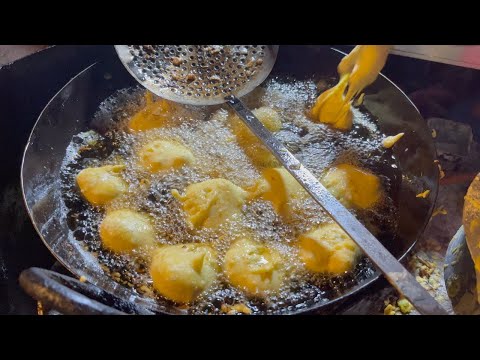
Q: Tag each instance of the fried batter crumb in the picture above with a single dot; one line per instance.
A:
(424, 194)
(389, 310)
(427, 272)
(439, 211)
(405, 306)
(146, 290)
(236, 309)
(442, 173)
(176, 61)
(250, 63)
(389, 141)
(40, 308)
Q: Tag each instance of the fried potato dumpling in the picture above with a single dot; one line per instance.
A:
(125, 230)
(328, 249)
(254, 268)
(352, 186)
(210, 203)
(154, 115)
(162, 155)
(102, 184)
(182, 272)
(254, 149)
(278, 187)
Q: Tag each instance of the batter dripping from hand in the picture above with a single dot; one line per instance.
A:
(357, 70)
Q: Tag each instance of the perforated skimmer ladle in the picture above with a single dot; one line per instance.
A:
(215, 74)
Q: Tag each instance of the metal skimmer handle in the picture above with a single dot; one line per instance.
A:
(395, 273)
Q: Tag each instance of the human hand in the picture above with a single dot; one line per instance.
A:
(363, 63)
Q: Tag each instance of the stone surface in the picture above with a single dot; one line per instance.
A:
(11, 53)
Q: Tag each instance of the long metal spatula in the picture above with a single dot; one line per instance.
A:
(215, 74)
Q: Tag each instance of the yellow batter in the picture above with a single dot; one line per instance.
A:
(389, 141)
(154, 115)
(182, 272)
(357, 70)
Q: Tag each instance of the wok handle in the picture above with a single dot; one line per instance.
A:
(68, 295)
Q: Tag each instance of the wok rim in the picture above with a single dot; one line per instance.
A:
(316, 307)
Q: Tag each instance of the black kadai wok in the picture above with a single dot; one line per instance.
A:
(75, 109)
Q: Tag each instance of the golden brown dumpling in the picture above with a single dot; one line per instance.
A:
(162, 155)
(182, 272)
(352, 186)
(101, 185)
(154, 115)
(210, 203)
(328, 249)
(278, 187)
(254, 149)
(254, 268)
(125, 230)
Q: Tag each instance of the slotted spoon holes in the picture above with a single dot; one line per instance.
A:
(204, 71)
